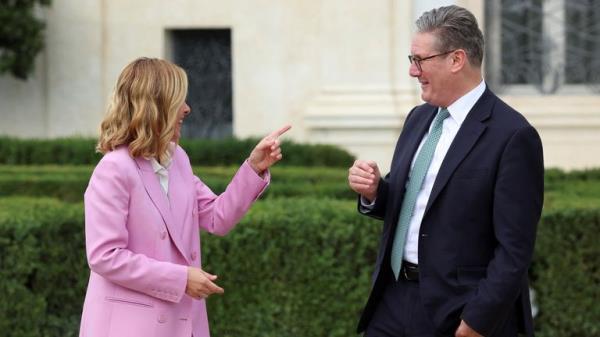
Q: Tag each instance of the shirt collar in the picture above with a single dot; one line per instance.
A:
(156, 166)
(461, 107)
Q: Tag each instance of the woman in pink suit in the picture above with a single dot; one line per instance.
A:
(144, 209)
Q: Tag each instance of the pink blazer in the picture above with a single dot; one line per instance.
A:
(139, 243)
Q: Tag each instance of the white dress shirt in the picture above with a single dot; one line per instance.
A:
(162, 171)
(458, 112)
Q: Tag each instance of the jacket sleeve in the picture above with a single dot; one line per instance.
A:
(377, 210)
(106, 202)
(219, 214)
(518, 198)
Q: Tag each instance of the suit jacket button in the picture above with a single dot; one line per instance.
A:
(163, 235)
(162, 318)
(424, 235)
(194, 255)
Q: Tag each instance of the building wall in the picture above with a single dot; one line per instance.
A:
(335, 69)
(64, 96)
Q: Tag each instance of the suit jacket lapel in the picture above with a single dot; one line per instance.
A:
(408, 151)
(467, 136)
(403, 158)
(161, 201)
(176, 205)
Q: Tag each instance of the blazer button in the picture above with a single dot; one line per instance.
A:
(424, 235)
(162, 318)
(163, 235)
(194, 255)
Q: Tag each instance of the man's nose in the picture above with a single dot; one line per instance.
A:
(413, 70)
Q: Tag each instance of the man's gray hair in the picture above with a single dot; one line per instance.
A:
(455, 28)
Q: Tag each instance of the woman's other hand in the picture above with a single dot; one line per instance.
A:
(267, 152)
(200, 284)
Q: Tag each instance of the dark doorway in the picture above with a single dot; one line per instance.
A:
(205, 54)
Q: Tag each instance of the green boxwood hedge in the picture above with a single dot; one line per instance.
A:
(68, 183)
(43, 271)
(78, 151)
(566, 273)
(292, 267)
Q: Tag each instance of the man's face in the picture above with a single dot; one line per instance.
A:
(433, 73)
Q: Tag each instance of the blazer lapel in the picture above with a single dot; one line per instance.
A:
(177, 206)
(408, 151)
(403, 158)
(160, 201)
(467, 136)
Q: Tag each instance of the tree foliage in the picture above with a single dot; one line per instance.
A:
(21, 36)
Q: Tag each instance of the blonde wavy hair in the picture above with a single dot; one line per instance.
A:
(142, 112)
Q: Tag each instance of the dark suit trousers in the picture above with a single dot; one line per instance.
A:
(400, 313)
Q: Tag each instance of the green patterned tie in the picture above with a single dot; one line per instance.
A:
(415, 181)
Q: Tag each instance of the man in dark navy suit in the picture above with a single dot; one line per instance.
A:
(461, 202)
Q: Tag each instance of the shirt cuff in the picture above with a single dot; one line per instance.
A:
(364, 203)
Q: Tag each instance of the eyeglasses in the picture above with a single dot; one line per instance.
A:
(417, 60)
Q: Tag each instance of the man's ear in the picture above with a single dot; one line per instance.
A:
(459, 60)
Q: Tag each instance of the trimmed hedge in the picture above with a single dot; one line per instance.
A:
(234, 151)
(74, 151)
(68, 183)
(78, 151)
(292, 267)
(554, 175)
(566, 273)
(43, 271)
(281, 265)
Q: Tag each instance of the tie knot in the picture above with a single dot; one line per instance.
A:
(443, 114)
